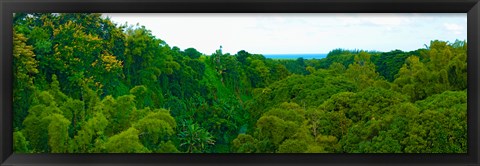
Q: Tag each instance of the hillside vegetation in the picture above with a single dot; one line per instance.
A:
(83, 84)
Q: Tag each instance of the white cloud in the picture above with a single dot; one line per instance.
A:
(389, 21)
(384, 19)
(454, 28)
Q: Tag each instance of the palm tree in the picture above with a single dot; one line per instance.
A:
(195, 138)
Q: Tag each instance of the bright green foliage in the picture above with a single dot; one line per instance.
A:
(333, 123)
(275, 129)
(307, 91)
(444, 69)
(58, 134)
(92, 130)
(125, 142)
(74, 111)
(38, 120)
(329, 143)
(362, 72)
(293, 146)
(194, 139)
(20, 144)
(261, 70)
(167, 147)
(83, 84)
(146, 57)
(373, 102)
(287, 111)
(337, 68)
(71, 58)
(448, 117)
(124, 107)
(411, 75)
(298, 66)
(279, 123)
(341, 56)
(140, 93)
(244, 143)
(155, 129)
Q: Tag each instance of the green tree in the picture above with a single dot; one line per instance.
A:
(58, 134)
(192, 53)
(20, 143)
(38, 120)
(155, 130)
(125, 142)
(411, 78)
(362, 72)
(121, 117)
(146, 57)
(274, 130)
(194, 139)
(140, 93)
(293, 146)
(244, 143)
(74, 111)
(92, 129)
(24, 70)
(441, 126)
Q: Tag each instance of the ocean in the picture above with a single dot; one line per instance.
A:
(295, 56)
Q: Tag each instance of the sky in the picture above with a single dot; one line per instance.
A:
(295, 33)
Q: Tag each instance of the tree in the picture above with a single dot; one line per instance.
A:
(24, 68)
(58, 134)
(91, 130)
(38, 120)
(244, 143)
(125, 142)
(155, 130)
(242, 56)
(192, 53)
(193, 138)
(337, 68)
(443, 68)
(362, 72)
(274, 130)
(20, 143)
(262, 71)
(123, 109)
(441, 126)
(74, 50)
(74, 111)
(140, 93)
(409, 77)
(383, 143)
(146, 57)
(83, 84)
(293, 146)
(389, 63)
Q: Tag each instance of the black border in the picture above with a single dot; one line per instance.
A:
(7, 7)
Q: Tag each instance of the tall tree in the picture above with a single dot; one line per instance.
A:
(24, 70)
(362, 71)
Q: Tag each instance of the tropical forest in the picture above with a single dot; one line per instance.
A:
(84, 84)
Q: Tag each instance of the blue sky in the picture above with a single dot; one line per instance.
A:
(289, 33)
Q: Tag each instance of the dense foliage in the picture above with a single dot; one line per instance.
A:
(83, 84)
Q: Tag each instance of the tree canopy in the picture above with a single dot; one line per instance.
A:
(83, 84)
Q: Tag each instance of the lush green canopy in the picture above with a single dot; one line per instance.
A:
(83, 84)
